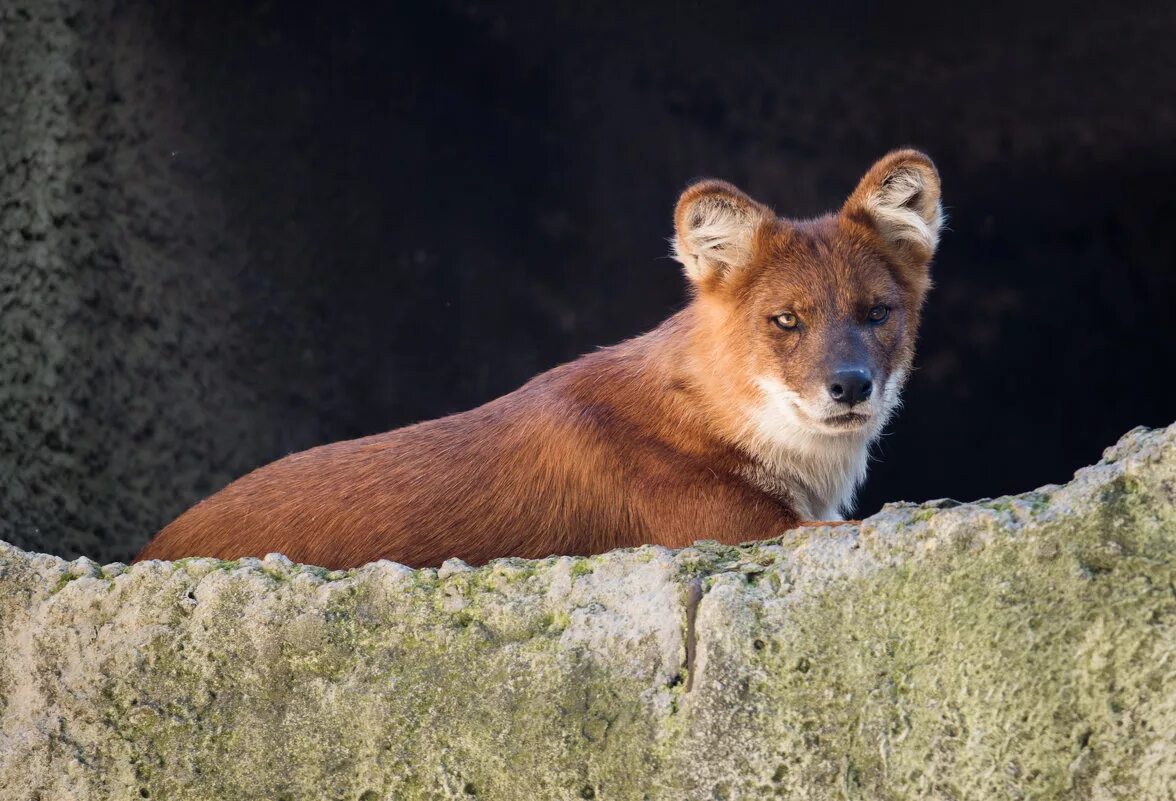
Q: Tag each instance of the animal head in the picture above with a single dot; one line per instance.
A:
(809, 325)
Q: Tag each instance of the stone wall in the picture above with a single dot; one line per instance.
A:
(136, 352)
(230, 229)
(1012, 648)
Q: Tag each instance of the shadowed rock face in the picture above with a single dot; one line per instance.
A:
(231, 229)
(1018, 647)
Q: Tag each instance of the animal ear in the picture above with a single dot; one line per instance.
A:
(899, 200)
(715, 227)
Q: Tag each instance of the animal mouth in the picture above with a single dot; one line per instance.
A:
(847, 420)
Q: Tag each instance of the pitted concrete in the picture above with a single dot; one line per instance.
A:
(1011, 648)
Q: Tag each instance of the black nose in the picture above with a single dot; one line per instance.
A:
(850, 386)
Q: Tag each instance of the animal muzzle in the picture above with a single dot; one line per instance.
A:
(850, 386)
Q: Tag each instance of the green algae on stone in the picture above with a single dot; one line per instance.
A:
(1018, 648)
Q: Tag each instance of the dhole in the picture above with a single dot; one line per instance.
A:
(750, 410)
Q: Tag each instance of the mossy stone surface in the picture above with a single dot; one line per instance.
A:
(1022, 648)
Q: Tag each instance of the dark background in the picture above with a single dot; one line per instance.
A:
(231, 230)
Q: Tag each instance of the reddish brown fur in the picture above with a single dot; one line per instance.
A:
(644, 442)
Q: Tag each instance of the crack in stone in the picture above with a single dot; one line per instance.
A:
(693, 598)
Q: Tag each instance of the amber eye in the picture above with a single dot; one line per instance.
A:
(786, 320)
(879, 313)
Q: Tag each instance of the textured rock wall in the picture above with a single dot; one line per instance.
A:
(134, 353)
(1012, 648)
(234, 228)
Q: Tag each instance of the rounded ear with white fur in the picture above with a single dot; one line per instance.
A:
(715, 228)
(899, 199)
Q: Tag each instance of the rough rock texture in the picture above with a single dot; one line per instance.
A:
(135, 350)
(1014, 648)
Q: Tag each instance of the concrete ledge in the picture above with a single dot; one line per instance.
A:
(1017, 648)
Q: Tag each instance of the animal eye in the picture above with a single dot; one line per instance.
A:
(787, 320)
(879, 313)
